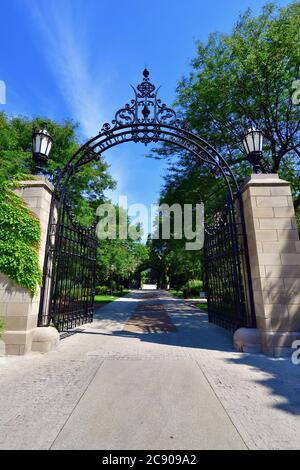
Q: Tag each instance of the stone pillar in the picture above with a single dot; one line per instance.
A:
(18, 308)
(274, 251)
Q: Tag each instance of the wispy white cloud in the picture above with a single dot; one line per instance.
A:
(66, 43)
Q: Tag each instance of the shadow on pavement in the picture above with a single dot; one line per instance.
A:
(280, 376)
(191, 326)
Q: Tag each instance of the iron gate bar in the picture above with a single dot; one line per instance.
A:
(73, 258)
(225, 255)
(250, 321)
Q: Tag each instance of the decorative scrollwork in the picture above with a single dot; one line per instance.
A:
(145, 108)
(164, 114)
(125, 115)
(145, 89)
(106, 127)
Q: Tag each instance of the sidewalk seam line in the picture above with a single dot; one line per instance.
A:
(213, 390)
(76, 404)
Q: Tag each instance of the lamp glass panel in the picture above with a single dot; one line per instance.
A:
(37, 143)
(44, 144)
(257, 141)
(253, 141)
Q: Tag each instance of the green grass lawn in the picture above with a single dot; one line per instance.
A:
(179, 294)
(202, 307)
(101, 300)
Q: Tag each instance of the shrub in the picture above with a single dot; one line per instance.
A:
(101, 290)
(194, 287)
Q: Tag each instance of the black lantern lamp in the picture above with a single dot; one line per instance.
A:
(253, 142)
(41, 146)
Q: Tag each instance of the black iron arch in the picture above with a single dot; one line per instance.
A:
(146, 119)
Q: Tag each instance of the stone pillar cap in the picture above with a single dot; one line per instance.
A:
(37, 182)
(270, 179)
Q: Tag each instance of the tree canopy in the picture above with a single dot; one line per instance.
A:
(86, 188)
(246, 78)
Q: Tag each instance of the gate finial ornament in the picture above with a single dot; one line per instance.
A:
(145, 108)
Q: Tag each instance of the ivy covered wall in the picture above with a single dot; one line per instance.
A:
(20, 236)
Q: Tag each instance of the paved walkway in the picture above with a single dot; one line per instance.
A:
(149, 373)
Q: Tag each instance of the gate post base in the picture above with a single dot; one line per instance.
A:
(278, 344)
(45, 339)
(247, 340)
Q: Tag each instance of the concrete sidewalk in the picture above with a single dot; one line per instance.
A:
(113, 387)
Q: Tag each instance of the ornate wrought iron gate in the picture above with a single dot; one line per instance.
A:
(227, 276)
(69, 269)
(69, 276)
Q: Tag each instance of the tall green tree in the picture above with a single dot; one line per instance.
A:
(118, 258)
(242, 79)
(247, 78)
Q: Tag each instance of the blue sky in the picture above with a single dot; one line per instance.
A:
(76, 58)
